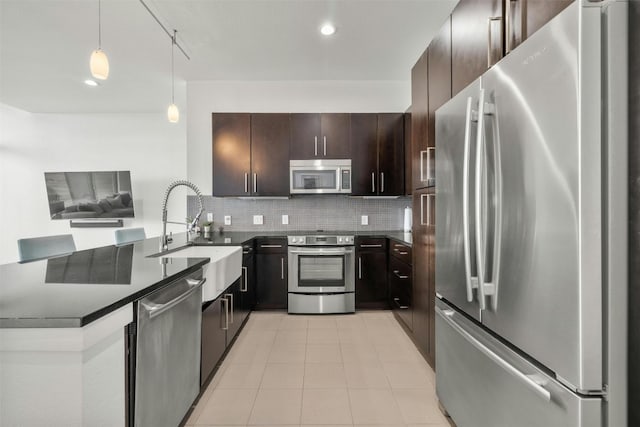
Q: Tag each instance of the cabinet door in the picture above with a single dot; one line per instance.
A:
(390, 154)
(371, 272)
(419, 118)
(270, 135)
(408, 170)
(271, 280)
(235, 310)
(364, 163)
(476, 40)
(334, 143)
(213, 342)
(424, 271)
(231, 150)
(534, 14)
(400, 290)
(305, 136)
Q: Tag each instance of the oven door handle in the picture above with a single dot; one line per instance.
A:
(320, 253)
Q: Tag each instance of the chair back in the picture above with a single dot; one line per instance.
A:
(129, 235)
(36, 248)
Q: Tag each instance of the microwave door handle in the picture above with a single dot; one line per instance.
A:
(373, 182)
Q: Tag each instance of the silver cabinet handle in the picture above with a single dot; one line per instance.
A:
(282, 268)
(324, 142)
(400, 306)
(359, 267)
(490, 22)
(400, 276)
(373, 182)
(400, 252)
(422, 196)
(510, 28)
(429, 219)
(471, 281)
(226, 313)
(429, 173)
(155, 309)
(378, 245)
(231, 307)
(245, 273)
(315, 150)
(447, 316)
(246, 182)
(270, 246)
(382, 182)
(255, 182)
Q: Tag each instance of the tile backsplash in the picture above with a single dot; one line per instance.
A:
(305, 213)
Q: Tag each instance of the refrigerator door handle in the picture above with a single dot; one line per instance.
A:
(478, 202)
(471, 281)
(532, 381)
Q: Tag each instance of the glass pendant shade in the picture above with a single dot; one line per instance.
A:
(99, 64)
(173, 114)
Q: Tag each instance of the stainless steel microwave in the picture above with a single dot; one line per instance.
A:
(320, 176)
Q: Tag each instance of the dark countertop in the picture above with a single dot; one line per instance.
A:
(74, 290)
(235, 238)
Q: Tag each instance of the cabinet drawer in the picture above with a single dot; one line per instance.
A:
(371, 244)
(271, 244)
(399, 270)
(400, 251)
(401, 291)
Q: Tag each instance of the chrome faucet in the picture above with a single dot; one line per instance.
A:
(190, 225)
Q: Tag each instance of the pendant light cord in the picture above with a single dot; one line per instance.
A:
(173, 42)
(99, 26)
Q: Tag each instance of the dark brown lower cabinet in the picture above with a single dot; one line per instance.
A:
(371, 273)
(271, 273)
(401, 290)
(214, 337)
(424, 272)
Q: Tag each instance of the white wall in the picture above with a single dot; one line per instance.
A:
(30, 144)
(203, 98)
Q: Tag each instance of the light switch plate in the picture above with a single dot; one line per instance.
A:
(285, 219)
(210, 216)
(227, 220)
(364, 220)
(258, 219)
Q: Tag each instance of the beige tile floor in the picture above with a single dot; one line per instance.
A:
(343, 370)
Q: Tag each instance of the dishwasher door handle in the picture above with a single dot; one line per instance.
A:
(157, 309)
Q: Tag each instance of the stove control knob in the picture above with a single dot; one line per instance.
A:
(294, 240)
(339, 239)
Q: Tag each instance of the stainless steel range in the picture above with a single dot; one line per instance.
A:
(321, 274)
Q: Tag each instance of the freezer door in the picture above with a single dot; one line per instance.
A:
(456, 123)
(546, 268)
(482, 383)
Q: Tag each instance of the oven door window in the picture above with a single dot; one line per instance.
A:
(314, 180)
(321, 271)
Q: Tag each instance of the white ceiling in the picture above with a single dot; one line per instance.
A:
(45, 46)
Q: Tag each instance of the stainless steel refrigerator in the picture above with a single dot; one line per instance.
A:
(531, 234)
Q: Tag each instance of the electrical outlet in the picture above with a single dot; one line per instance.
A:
(210, 216)
(285, 219)
(227, 220)
(258, 219)
(364, 220)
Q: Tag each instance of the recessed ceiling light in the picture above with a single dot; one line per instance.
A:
(90, 82)
(327, 29)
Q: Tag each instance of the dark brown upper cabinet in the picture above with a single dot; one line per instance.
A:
(231, 151)
(320, 136)
(419, 118)
(377, 142)
(270, 154)
(250, 154)
(525, 17)
(476, 39)
(408, 175)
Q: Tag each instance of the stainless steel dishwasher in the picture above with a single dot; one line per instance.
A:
(167, 371)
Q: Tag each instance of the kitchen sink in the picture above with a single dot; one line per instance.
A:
(224, 268)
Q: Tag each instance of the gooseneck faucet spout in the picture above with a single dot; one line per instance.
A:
(192, 224)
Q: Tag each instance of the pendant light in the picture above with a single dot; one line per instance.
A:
(99, 64)
(173, 114)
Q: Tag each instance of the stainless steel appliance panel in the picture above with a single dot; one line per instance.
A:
(321, 269)
(483, 383)
(542, 266)
(322, 303)
(167, 379)
(456, 275)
